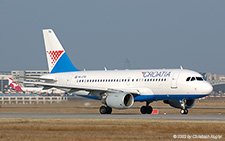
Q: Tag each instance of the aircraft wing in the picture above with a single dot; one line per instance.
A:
(76, 88)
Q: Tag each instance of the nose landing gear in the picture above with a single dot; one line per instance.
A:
(183, 110)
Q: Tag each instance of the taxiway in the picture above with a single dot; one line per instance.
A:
(113, 116)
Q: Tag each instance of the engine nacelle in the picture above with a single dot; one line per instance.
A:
(177, 104)
(119, 100)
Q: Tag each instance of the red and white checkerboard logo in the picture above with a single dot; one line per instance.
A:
(54, 55)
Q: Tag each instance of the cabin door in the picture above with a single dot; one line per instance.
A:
(174, 80)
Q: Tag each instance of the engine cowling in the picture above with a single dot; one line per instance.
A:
(120, 100)
(177, 104)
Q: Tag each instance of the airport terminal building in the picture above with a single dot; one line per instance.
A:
(32, 73)
(4, 81)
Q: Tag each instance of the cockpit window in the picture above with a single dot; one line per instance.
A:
(199, 78)
(188, 78)
(193, 79)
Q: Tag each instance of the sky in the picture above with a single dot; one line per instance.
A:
(150, 34)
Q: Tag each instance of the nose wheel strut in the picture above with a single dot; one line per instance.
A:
(183, 110)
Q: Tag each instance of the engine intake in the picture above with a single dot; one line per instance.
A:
(120, 100)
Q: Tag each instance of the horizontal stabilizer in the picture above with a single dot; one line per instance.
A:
(38, 78)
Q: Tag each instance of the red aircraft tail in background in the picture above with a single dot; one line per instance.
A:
(14, 85)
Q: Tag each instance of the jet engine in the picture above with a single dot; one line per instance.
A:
(120, 100)
(177, 104)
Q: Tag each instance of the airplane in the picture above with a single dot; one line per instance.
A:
(16, 87)
(119, 89)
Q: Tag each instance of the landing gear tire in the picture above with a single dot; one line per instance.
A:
(146, 110)
(105, 110)
(109, 110)
(184, 111)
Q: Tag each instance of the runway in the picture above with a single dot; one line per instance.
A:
(113, 116)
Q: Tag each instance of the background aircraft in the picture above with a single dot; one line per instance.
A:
(35, 90)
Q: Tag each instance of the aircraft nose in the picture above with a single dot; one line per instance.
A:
(208, 88)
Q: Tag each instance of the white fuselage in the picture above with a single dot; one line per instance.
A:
(147, 84)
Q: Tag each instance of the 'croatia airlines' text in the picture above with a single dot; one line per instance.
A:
(156, 74)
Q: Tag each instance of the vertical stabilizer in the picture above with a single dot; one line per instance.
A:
(58, 61)
(14, 85)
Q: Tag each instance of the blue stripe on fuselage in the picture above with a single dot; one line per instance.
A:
(64, 65)
(165, 97)
(155, 97)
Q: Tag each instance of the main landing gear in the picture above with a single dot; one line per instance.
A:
(105, 110)
(146, 109)
(183, 110)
